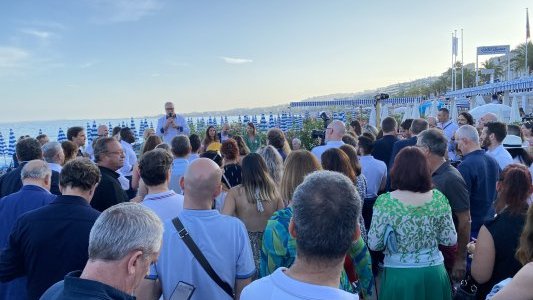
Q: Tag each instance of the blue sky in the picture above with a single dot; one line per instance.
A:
(119, 58)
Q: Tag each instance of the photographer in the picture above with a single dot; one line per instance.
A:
(171, 124)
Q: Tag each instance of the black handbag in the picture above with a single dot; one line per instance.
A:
(467, 289)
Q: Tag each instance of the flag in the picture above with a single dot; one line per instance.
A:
(455, 43)
(527, 26)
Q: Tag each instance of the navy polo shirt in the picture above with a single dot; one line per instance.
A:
(480, 173)
(47, 243)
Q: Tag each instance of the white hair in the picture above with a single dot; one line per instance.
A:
(35, 169)
(468, 132)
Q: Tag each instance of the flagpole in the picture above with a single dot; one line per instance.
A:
(455, 73)
(462, 62)
(527, 37)
(451, 77)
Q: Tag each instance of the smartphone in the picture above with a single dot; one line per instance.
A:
(183, 291)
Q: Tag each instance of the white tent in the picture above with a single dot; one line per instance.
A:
(502, 111)
(415, 113)
(453, 110)
(384, 112)
(434, 109)
(407, 113)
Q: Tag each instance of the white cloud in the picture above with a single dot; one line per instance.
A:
(116, 11)
(89, 64)
(236, 61)
(11, 57)
(44, 35)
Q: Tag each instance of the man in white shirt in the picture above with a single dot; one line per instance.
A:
(171, 124)
(334, 133)
(222, 239)
(491, 138)
(127, 138)
(448, 127)
(322, 241)
(154, 167)
(102, 131)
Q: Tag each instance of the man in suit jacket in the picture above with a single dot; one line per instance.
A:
(417, 127)
(109, 156)
(47, 243)
(26, 149)
(33, 194)
(383, 147)
(224, 134)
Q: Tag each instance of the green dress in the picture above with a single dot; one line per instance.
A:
(254, 144)
(409, 237)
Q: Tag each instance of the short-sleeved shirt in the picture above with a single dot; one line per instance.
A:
(318, 150)
(166, 205)
(281, 286)
(501, 155)
(480, 173)
(233, 175)
(223, 241)
(179, 167)
(450, 182)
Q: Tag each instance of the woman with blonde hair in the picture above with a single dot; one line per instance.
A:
(254, 201)
(299, 163)
(274, 162)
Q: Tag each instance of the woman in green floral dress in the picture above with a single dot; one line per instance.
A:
(251, 138)
(408, 224)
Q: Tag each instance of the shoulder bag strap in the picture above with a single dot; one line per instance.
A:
(184, 235)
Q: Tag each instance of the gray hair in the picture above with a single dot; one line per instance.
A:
(468, 132)
(418, 126)
(274, 162)
(35, 169)
(435, 140)
(327, 235)
(124, 228)
(50, 150)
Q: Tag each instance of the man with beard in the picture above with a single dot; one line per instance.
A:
(492, 137)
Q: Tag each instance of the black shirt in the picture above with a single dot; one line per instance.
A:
(109, 191)
(11, 182)
(505, 230)
(383, 148)
(47, 243)
(449, 181)
(233, 175)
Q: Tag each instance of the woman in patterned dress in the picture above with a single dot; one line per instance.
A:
(408, 224)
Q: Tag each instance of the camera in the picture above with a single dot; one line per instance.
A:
(171, 115)
(381, 96)
(321, 133)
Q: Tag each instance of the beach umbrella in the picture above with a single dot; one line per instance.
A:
(3, 148)
(61, 137)
(407, 113)
(40, 131)
(226, 119)
(271, 123)
(283, 122)
(209, 121)
(245, 119)
(515, 112)
(454, 113)
(478, 101)
(215, 122)
(263, 123)
(151, 125)
(109, 126)
(434, 108)
(372, 118)
(94, 130)
(239, 120)
(415, 113)
(502, 111)
(142, 127)
(89, 132)
(384, 112)
(12, 143)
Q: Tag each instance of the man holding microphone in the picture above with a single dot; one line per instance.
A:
(171, 124)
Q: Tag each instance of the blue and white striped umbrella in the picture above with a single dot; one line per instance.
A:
(3, 148)
(94, 130)
(12, 143)
(226, 119)
(271, 123)
(263, 123)
(61, 137)
(123, 124)
(109, 126)
(89, 132)
(215, 121)
(133, 128)
(209, 121)
(283, 122)
(245, 119)
(239, 119)
(40, 131)
(151, 125)
(142, 127)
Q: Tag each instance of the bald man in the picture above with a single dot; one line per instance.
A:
(171, 124)
(36, 180)
(334, 133)
(222, 239)
(486, 118)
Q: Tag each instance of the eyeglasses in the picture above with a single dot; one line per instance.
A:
(116, 152)
(169, 108)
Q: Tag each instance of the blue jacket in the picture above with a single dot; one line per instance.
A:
(29, 197)
(47, 243)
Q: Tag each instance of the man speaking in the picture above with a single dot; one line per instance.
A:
(171, 124)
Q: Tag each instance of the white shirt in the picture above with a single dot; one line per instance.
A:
(223, 241)
(55, 167)
(318, 150)
(170, 133)
(129, 161)
(166, 205)
(501, 155)
(375, 172)
(449, 129)
(280, 286)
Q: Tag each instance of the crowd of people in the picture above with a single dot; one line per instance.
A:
(426, 209)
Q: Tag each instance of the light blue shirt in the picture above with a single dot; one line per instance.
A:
(130, 159)
(280, 286)
(223, 241)
(170, 133)
(193, 156)
(166, 205)
(501, 155)
(179, 167)
(375, 172)
(449, 129)
(318, 150)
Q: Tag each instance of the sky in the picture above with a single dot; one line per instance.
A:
(88, 59)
